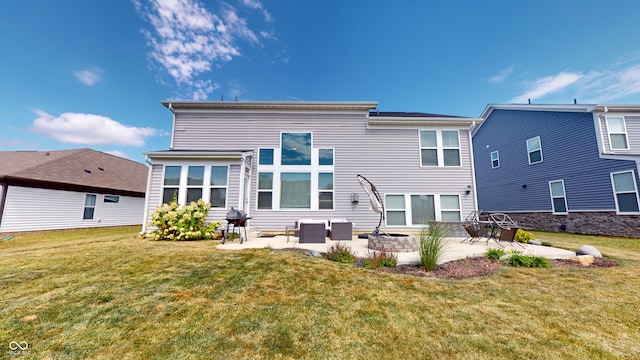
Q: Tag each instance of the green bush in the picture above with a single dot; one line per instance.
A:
(430, 244)
(380, 259)
(342, 253)
(495, 253)
(174, 222)
(519, 260)
(523, 236)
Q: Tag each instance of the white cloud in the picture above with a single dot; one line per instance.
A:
(610, 85)
(257, 5)
(502, 75)
(90, 129)
(89, 77)
(547, 85)
(187, 40)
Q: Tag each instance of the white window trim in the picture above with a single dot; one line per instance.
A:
(497, 158)
(529, 152)
(615, 193)
(408, 211)
(314, 169)
(609, 132)
(206, 186)
(564, 196)
(439, 148)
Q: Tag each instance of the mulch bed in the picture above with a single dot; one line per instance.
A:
(467, 268)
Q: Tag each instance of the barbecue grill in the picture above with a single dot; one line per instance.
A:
(236, 219)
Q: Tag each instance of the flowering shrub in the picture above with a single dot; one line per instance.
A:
(182, 223)
(523, 236)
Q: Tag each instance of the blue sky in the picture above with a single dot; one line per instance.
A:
(78, 73)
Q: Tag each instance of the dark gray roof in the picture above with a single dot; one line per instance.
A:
(408, 114)
(74, 169)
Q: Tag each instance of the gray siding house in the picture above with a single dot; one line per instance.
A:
(284, 161)
(561, 167)
(80, 188)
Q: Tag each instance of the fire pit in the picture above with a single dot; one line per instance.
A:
(237, 219)
(393, 242)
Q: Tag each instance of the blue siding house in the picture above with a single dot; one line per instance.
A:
(561, 167)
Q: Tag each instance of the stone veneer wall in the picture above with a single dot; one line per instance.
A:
(589, 223)
(406, 243)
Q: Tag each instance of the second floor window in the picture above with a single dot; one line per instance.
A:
(439, 148)
(617, 130)
(495, 160)
(534, 148)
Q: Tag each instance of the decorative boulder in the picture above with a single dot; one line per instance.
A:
(584, 260)
(313, 253)
(589, 250)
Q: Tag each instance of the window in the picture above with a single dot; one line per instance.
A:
(89, 207)
(325, 191)
(295, 190)
(451, 148)
(171, 183)
(325, 156)
(395, 207)
(624, 186)
(296, 149)
(617, 133)
(423, 209)
(558, 197)
(195, 180)
(439, 148)
(420, 209)
(111, 199)
(265, 157)
(495, 160)
(428, 148)
(218, 186)
(450, 207)
(534, 148)
(265, 190)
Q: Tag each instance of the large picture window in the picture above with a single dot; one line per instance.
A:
(534, 149)
(296, 149)
(558, 197)
(617, 130)
(439, 148)
(295, 190)
(626, 192)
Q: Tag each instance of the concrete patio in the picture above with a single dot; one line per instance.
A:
(454, 248)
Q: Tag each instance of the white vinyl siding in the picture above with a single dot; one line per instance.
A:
(626, 192)
(558, 197)
(61, 209)
(617, 130)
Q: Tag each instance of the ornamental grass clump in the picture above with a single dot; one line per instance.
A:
(430, 244)
(380, 259)
(341, 253)
(177, 223)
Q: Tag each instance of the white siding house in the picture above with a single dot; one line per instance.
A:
(283, 161)
(69, 189)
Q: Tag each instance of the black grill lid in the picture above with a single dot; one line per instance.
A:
(234, 214)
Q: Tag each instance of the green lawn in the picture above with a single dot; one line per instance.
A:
(104, 293)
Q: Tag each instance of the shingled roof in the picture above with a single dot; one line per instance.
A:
(78, 170)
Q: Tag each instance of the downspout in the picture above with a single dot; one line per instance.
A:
(3, 199)
(146, 198)
(473, 170)
(173, 125)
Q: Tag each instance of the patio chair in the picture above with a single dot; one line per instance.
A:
(475, 227)
(312, 232)
(341, 229)
(508, 228)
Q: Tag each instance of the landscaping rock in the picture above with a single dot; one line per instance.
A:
(584, 260)
(589, 250)
(313, 253)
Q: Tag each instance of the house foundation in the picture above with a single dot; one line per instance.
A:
(587, 223)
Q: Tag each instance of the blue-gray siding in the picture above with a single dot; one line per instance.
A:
(570, 152)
